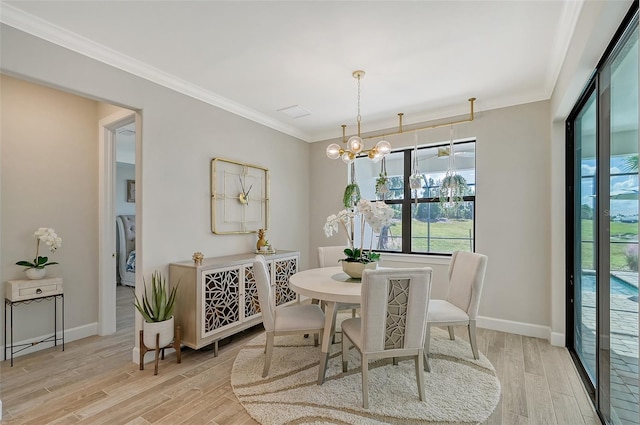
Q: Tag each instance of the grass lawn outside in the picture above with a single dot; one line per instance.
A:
(623, 235)
(442, 236)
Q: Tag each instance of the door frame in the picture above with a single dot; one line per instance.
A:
(106, 214)
(598, 84)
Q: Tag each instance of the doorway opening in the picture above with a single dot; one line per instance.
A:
(119, 142)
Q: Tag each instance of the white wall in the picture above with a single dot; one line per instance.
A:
(180, 136)
(49, 158)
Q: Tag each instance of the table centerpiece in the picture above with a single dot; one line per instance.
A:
(374, 214)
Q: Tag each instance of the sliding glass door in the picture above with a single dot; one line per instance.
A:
(584, 278)
(602, 287)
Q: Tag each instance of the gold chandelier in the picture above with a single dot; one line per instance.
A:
(355, 145)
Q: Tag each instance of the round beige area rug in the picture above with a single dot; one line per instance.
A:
(459, 389)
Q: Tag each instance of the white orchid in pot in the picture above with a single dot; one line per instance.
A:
(375, 214)
(36, 268)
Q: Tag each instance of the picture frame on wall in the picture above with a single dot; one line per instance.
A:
(131, 191)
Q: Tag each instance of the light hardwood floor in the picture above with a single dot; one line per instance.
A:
(94, 381)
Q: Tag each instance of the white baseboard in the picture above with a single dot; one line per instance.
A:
(69, 335)
(520, 328)
(557, 339)
(135, 353)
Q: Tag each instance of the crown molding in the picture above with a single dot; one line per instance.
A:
(564, 32)
(20, 20)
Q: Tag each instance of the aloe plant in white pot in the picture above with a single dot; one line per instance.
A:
(156, 308)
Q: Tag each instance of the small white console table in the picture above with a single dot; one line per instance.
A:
(25, 292)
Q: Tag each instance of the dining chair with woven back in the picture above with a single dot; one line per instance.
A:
(297, 319)
(466, 279)
(392, 321)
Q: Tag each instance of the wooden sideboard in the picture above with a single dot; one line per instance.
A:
(219, 297)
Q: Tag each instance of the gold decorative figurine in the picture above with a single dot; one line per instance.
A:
(197, 258)
(261, 239)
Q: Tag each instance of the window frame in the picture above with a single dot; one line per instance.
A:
(407, 202)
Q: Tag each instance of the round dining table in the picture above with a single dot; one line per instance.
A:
(332, 286)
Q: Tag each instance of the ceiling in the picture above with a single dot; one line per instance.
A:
(422, 58)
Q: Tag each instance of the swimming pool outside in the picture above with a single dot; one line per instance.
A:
(623, 338)
(619, 285)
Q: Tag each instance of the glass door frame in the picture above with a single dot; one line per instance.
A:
(600, 396)
(571, 246)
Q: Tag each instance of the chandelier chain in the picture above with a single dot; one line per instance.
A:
(358, 101)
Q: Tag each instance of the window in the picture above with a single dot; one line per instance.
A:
(422, 224)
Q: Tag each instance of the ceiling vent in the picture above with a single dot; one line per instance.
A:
(295, 111)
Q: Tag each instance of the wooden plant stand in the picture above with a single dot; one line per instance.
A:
(175, 345)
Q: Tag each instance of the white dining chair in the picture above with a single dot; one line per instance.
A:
(330, 256)
(466, 278)
(296, 319)
(392, 321)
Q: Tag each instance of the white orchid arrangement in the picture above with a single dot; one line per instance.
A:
(52, 240)
(376, 214)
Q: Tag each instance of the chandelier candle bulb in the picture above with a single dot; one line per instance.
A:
(355, 144)
(383, 147)
(334, 151)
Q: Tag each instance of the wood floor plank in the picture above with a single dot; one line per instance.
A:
(579, 391)
(66, 420)
(515, 398)
(187, 410)
(511, 418)
(498, 339)
(539, 401)
(131, 392)
(496, 357)
(44, 416)
(590, 420)
(228, 414)
(138, 421)
(554, 369)
(566, 408)
(532, 359)
(513, 342)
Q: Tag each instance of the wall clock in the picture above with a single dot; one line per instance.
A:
(239, 197)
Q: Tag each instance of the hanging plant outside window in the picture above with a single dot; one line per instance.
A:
(352, 191)
(453, 186)
(452, 190)
(351, 195)
(415, 179)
